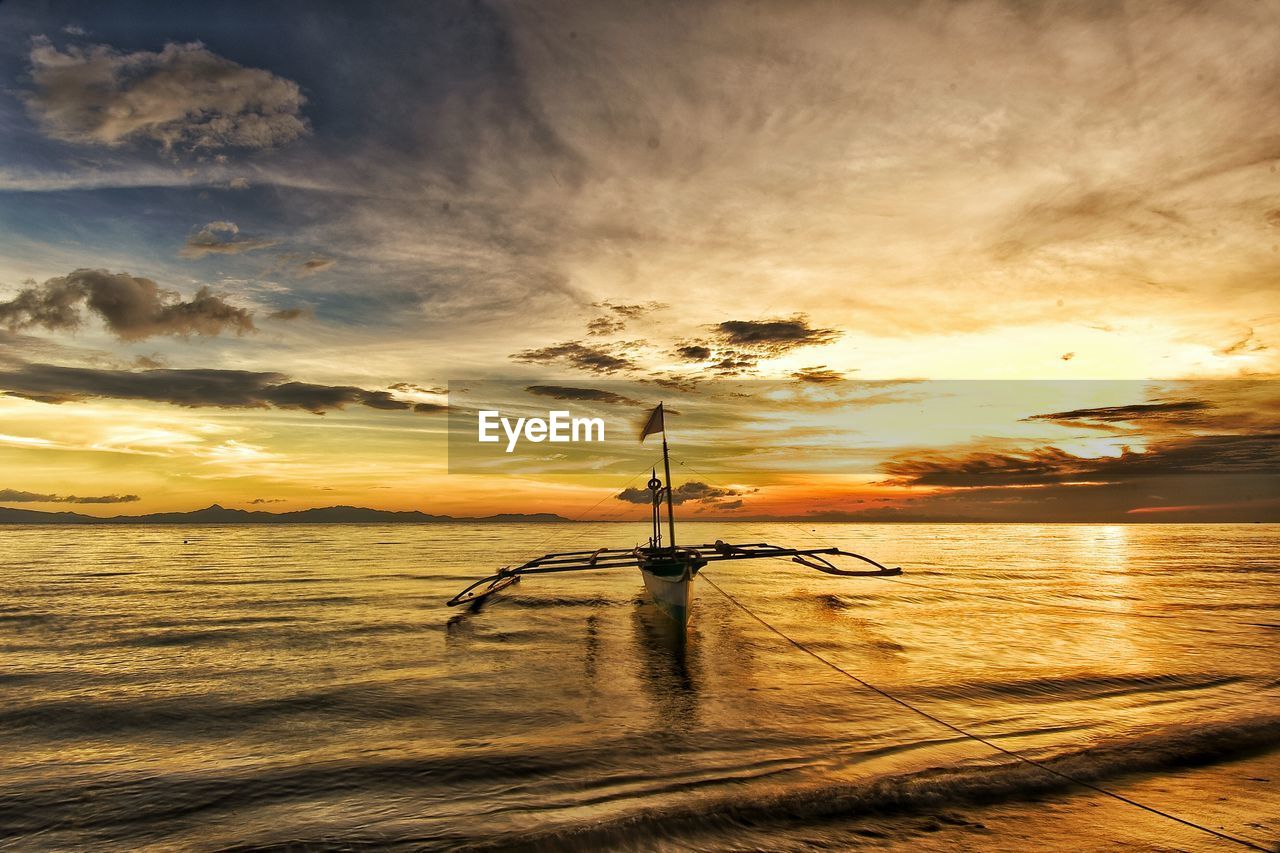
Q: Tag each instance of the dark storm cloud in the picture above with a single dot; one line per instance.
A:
(194, 388)
(134, 308)
(15, 496)
(820, 375)
(695, 492)
(586, 395)
(593, 359)
(1213, 454)
(185, 96)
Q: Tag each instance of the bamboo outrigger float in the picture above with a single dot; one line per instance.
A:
(668, 570)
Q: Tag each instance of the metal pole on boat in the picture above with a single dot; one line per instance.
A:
(657, 422)
(655, 486)
(671, 513)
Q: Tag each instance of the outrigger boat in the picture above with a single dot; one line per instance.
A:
(668, 570)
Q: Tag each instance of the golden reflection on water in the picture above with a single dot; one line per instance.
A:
(294, 684)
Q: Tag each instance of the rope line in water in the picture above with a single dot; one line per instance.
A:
(979, 738)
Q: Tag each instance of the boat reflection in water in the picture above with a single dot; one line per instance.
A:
(669, 663)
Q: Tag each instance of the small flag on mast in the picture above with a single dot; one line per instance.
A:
(654, 424)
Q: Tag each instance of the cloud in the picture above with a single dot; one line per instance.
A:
(819, 375)
(1201, 455)
(15, 496)
(734, 363)
(686, 492)
(616, 320)
(420, 389)
(1246, 343)
(1179, 411)
(605, 326)
(290, 314)
(593, 359)
(589, 395)
(631, 312)
(183, 96)
(238, 184)
(675, 381)
(738, 346)
(193, 388)
(774, 337)
(694, 352)
(495, 174)
(133, 308)
(267, 501)
(313, 266)
(220, 238)
(430, 408)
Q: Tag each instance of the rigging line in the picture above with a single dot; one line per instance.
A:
(560, 533)
(979, 738)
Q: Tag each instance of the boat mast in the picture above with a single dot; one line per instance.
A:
(657, 422)
(671, 513)
(655, 486)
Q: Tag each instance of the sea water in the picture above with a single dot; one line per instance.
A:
(305, 686)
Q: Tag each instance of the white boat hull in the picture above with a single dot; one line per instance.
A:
(672, 595)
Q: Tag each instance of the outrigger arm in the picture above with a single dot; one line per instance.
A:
(618, 558)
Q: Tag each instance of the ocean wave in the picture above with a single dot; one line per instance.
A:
(123, 804)
(921, 791)
(207, 716)
(120, 807)
(845, 602)
(1076, 687)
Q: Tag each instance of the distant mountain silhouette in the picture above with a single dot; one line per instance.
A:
(221, 515)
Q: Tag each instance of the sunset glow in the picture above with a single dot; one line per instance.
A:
(257, 293)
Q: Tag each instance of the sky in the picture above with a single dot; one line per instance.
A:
(247, 250)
